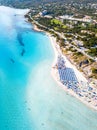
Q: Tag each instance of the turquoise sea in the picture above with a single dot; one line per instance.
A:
(30, 99)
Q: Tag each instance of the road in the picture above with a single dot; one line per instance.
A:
(63, 37)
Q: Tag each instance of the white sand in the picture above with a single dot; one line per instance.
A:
(78, 74)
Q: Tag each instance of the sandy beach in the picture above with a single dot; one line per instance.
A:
(79, 75)
(32, 92)
(54, 72)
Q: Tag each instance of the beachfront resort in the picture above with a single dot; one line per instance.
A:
(29, 96)
(75, 45)
(70, 81)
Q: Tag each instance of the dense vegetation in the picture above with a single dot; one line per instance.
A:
(89, 39)
(77, 34)
(30, 3)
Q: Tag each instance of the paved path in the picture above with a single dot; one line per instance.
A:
(63, 37)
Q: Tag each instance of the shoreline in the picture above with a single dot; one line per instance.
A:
(54, 71)
(54, 74)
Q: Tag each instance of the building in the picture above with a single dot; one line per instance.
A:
(43, 13)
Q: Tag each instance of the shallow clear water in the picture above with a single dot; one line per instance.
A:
(30, 99)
